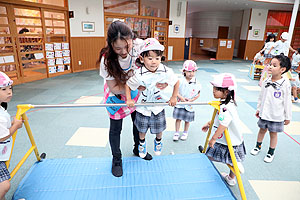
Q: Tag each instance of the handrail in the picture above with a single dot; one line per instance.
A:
(22, 108)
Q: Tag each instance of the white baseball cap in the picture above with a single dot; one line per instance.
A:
(285, 35)
(5, 80)
(189, 66)
(224, 80)
(151, 44)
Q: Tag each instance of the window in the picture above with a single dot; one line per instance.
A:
(121, 6)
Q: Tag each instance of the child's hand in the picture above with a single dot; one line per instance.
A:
(18, 123)
(205, 127)
(212, 142)
(182, 99)
(161, 86)
(286, 122)
(172, 101)
(257, 114)
(130, 103)
(141, 88)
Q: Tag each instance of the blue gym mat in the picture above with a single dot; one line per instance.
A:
(186, 176)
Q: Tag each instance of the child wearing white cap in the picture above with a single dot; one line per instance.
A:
(224, 87)
(7, 129)
(189, 91)
(281, 46)
(150, 72)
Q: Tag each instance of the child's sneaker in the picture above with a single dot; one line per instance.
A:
(142, 150)
(184, 136)
(255, 151)
(269, 158)
(157, 147)
(176, 136)
(228, 180)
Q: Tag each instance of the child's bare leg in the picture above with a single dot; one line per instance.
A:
(177, 125)
(273, 140)
(186, 126)
(261, 134)
(294, 92)
(159, 136)
(4, 188)
(231, 174)
(142, 136)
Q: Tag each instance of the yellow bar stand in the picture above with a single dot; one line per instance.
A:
(234, 169)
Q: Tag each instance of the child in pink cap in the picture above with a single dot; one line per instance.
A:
(189, 91)
(7, 129)
(224, 89)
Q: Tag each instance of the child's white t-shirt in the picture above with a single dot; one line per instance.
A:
(5, 124)
(143, 77)
(280, 47)
(268, 46)
(228, 117)
(259, 57)
(188, 89)
(295, 59)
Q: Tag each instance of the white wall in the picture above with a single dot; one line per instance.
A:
(206, 24)
(177, 20)
(245, 24)
(94, 14)
(258, 22)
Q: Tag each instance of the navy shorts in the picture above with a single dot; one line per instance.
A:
(156, 123)
(271, 126)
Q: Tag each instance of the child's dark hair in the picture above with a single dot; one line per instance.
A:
(146, 54)
(284, 62)
(4, 105)
(229, 97)
(271, 36)
(116, 30)
(298, 50)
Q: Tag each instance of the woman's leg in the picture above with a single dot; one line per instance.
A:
(114, 137)
(135, 132)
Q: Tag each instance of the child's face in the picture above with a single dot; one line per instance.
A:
(151, 61)
(122, 47)
(275, 68)
(219, 94)
(5, 94)
(271, 39)
(190, 74)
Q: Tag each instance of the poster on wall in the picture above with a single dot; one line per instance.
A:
(65, 45)
(222, 43)
(67, 60)
(66, 53)
(58, 54)
(60, 68)
(57, 46)
(59, 61)
(229, 44)
(49, 54)
(51, 62)
(52, 70)
(48, 47)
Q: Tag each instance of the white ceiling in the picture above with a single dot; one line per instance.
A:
(233, 5)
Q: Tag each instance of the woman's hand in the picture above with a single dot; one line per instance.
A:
(130, 103)
(161, 86)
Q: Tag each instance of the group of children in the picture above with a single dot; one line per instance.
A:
(272, 48)
(273, 111)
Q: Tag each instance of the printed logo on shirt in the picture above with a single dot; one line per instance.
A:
(277, 94)
(221, 117)
(220, 136)
(4, 150)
